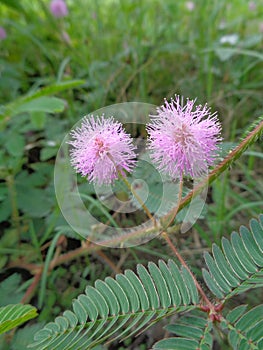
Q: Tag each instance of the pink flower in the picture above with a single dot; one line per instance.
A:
(190, 5)
(58, 8)
(101, 149)
(3, 34)
(183, 139)
(252, 5)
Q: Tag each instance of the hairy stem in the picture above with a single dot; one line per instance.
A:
(175, 251)
(32, 288)
(182, 261)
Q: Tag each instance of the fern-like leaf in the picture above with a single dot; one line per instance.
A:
(245, 328)
(192, 332)
(14, 315)
(238, 267)
(130, 300)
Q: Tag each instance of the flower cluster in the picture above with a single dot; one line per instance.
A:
(183, 139)
(101, 149)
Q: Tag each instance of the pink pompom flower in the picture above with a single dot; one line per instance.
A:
(183, 140)
(101, 149)
(58, 8)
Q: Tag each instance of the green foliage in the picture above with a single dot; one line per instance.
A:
(24, 336)
(9, 290)
(192, 332)
(190, 336)
(41, 104)
(129, 300)
(240, 266)
(39, 101)
(12, 316)
(133, 301)
(13, 4)
(245, 328)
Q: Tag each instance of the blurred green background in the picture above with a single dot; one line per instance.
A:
(53, 71)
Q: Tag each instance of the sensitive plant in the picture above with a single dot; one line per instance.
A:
(193, 60)
(101, 149)
(130, 303)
